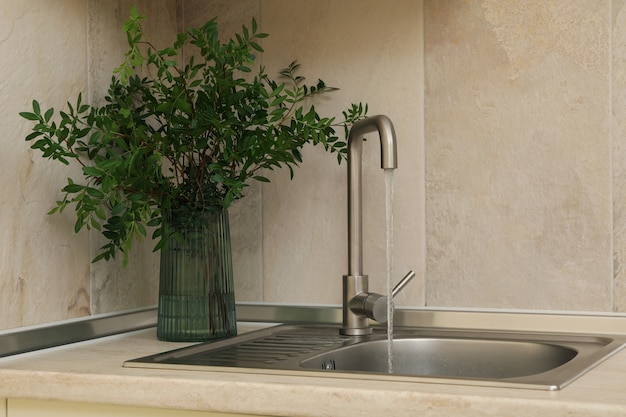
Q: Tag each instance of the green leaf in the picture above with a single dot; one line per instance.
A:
(94, 224)
(101, 256)
(78, 225)
(160, 245)
(91, 171)
(181, 38)
(73, 188)
(95, 192)
(164, 107)
(29, 116)
(48, 115)
(183, 106)
(33, 135)
(256, 46)
(134, 15)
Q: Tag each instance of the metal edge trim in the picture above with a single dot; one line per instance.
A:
(505, 320)
(288, 314)
(76, 330)
(27, 339)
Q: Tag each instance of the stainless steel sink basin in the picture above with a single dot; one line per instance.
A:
(440, 357)
(512, 359)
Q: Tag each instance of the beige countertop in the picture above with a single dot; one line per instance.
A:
(92, 372)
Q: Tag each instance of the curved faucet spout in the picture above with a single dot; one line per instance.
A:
(388, 160)
(376, 124)
(355, 321)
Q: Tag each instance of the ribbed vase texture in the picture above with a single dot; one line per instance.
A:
(196, 293)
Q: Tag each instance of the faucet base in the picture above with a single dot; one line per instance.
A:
(354, 324)
(356, 332)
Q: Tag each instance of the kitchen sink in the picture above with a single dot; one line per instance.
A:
(443, 357)
(454, 356)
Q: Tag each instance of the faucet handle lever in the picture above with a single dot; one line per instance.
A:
(374, 306)
(400, 285)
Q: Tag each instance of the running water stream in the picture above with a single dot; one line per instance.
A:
(389, 234)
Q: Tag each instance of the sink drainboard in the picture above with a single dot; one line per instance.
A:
(269, 350)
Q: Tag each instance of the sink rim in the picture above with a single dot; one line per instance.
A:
(449, 357)
(593, 349)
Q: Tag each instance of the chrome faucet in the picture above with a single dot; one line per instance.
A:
(359, 305)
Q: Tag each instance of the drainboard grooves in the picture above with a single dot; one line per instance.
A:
(268, 350)
(265, 348)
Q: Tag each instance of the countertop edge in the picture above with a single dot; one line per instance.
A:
(91, 372)
(302, 396)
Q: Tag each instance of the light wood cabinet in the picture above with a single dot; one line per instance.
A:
(39, 408)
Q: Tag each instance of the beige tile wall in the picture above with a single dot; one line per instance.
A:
(44, 266)
(510, 125)
(519, 154)
(372, 52)
(618, 135)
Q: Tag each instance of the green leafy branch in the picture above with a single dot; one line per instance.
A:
(188, 137)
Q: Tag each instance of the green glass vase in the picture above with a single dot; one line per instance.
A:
(196, 293)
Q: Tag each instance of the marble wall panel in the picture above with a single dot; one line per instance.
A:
(518, 154)
(44, 266)
(372, 52)
(618, 46)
